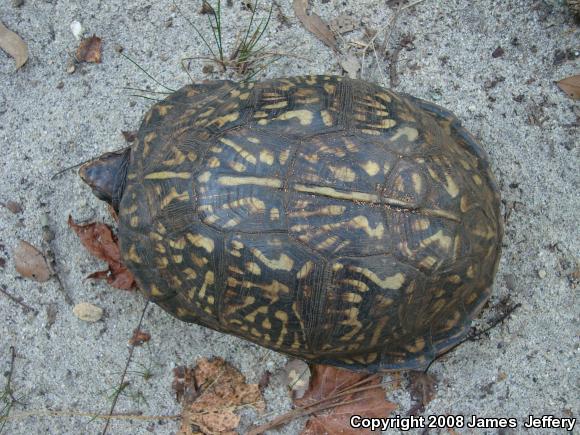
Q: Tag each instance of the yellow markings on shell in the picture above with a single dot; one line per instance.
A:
(411, 134)
(394, 282)
(190, 273)
(173, 196)
(237, 166)
(244, 96)
(178, 158)
(235, 93)
(477, 179)
(453, 321)
(330, 210)
(310, 80)
(464, 203)
(358, 222)
(471, 270)
(418, 346)
(253, 268)
(451, 186)
(384, 96)
(231, 223)
(325, 244)
(333, 193)
(134, 221)
(326, 118)
(352, 321)
(417, 181)
(165, 175)
(201, 241)
(257, 181)
(282, 263)
(438, 238)
(237, 244)
(353, 298)
(267, 157)
(206, 113)
(440, 213)
(242, 152)
(343, 173)
(384, 124)
(283, 157)
(213, 162)
(420, 224)
(368, 101)
(253, 140)
(278, 105)
(254, 205)
(132, 255)
(209, 279)
(222, 120)
(371, 132)
(266, 324)
(283, 317)
(304, 116)
(471, 298)
(305, 270)
(329, 88)
(356, 283)
(428, 262)
(371, 168)
(155, 292)
(484, 231)
(155, 236)
(260, 114)
(162, 262)
(274, 214)
(177, 259)
(198, 261)
(160, 248)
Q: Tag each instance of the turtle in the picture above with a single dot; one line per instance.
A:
(323, 217)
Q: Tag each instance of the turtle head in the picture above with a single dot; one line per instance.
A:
(107, 176)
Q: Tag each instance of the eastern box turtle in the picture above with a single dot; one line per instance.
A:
(319, 216)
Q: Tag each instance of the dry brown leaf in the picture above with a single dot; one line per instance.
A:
(139, 337)
(329, 381)
(422, 387)
(314, 24)
(30, 263)
(210, 393)
(90, 50)
(13, 44)
(100, 241)
(343, 24)
(13, 206)
(571, 86)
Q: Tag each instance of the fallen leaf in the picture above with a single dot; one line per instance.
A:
(90, 50)
(314, 24)
(327, 382)
(571, 86)
(88, 312)
(350, 65)
(13, 44)
(297, 377)
(13, 206)
(422, 388)
(210, 393)
(100, 241)
(30, 263)
(139, 337)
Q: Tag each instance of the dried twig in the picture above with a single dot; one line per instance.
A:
(47, 238)
(122, 382)
(18, 300)
(318, 406)
(8, 394)
(474, 335)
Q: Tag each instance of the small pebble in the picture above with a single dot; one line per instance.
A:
(88, 312)
(77, 30)
(542, 273)
(71, 68)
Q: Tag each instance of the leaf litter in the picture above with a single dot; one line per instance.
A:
(99, 240)
(210, 393)
(314, 24)
(333, 396)
(13, 44)
(90, 50)
(571, 86)
(30, 263)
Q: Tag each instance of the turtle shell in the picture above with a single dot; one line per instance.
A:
(322, 217)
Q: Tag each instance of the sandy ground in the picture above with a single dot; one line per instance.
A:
(50, 119)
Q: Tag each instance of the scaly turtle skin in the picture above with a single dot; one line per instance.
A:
(319, 216)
